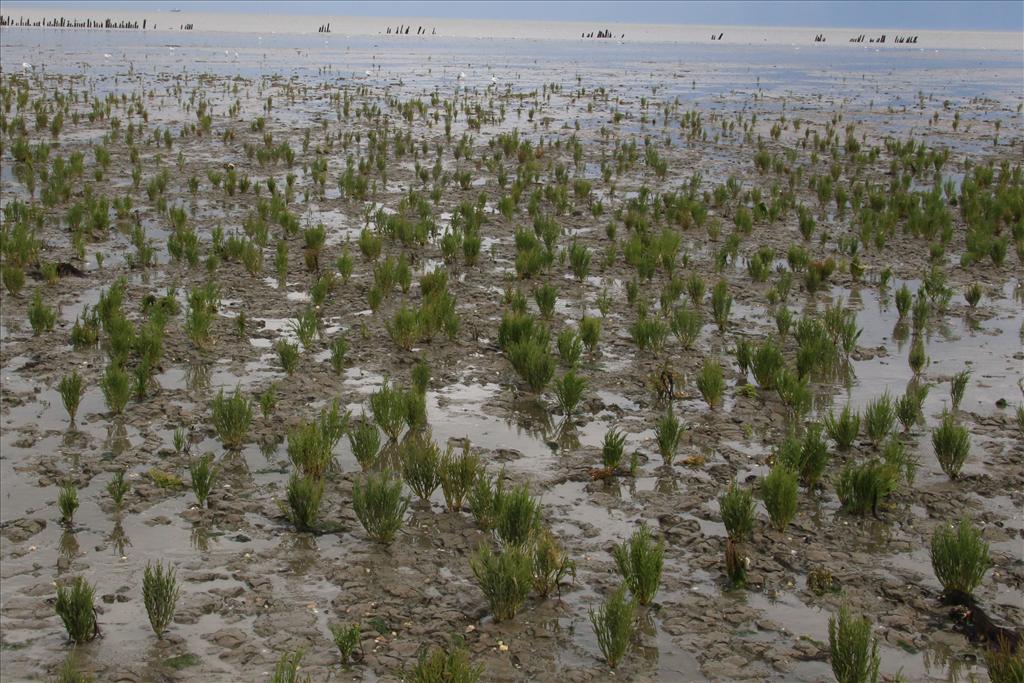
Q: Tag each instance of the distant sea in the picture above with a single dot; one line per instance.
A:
(271, 24)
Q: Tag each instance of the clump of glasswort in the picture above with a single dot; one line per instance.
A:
(854, 650)
(957, 387)
(231, 418)
(711, 383)
(780, 491)
(737, 506)
(569, 392)
(364, 438)
(668, 431)
(71, 388)
(287, 669)
(67, 502)
(451, 665)
(458, 473)
(517, 516)
(75, 608)
(960, 559)
(117, 487)
(843, 429)
(302, 501)
(879, 418)
(389, 409)
(116, 388)
(952, 444)
(611, 449)
(614, 626)
(380, 506)
(420, 460)
(203, 473)
(640, 561)
(160, 594)
(505, 578)
(550, 564)
(346, 638)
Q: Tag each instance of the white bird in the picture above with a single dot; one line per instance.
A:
(26, 65)
(462, 75)
(367, 73)
(236, 55)
(171, 49)
(106, 55)
(225, 53)
(494, 79)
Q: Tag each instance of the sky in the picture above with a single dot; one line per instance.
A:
(976, 15)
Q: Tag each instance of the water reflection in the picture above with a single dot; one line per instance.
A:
(67, 549)
(117, 441)
(200, 537)
(119, 539)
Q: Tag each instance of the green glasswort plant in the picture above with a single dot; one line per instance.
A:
(203, 473)
(808, 457)
(389, 409)
(879, 418)
(75, 608)
(711, 383)
(640, 562)
(862, 486)
(505, 578)
(780, 492)
(611, 449)
(957, 387)
(71, 389)
(116, 387)
(346, 639)
(614, 626)
(117, 487)
(41, 317)
(721, 304)
(364, 437)
(160, 594)
(288, 355)
(302, 501)
(952, 444)
(287, 669)
(458, 473)
(853, 648)
(960, 559)
(339, 349)
(451, 665)
(67, 502)
(668, 432)
(737, 506)
(843, 429)
(380, 506)
(231, 418)
(569, 392)
(420, 460)
(517, 516)
(550, 564)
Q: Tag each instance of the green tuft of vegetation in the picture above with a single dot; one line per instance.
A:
(76, 611)
(614, 626)
(952, 444)
(380, 506)
(160, 594)
(960, 559)
(505, 578)
(853, 648)
(640, 562)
